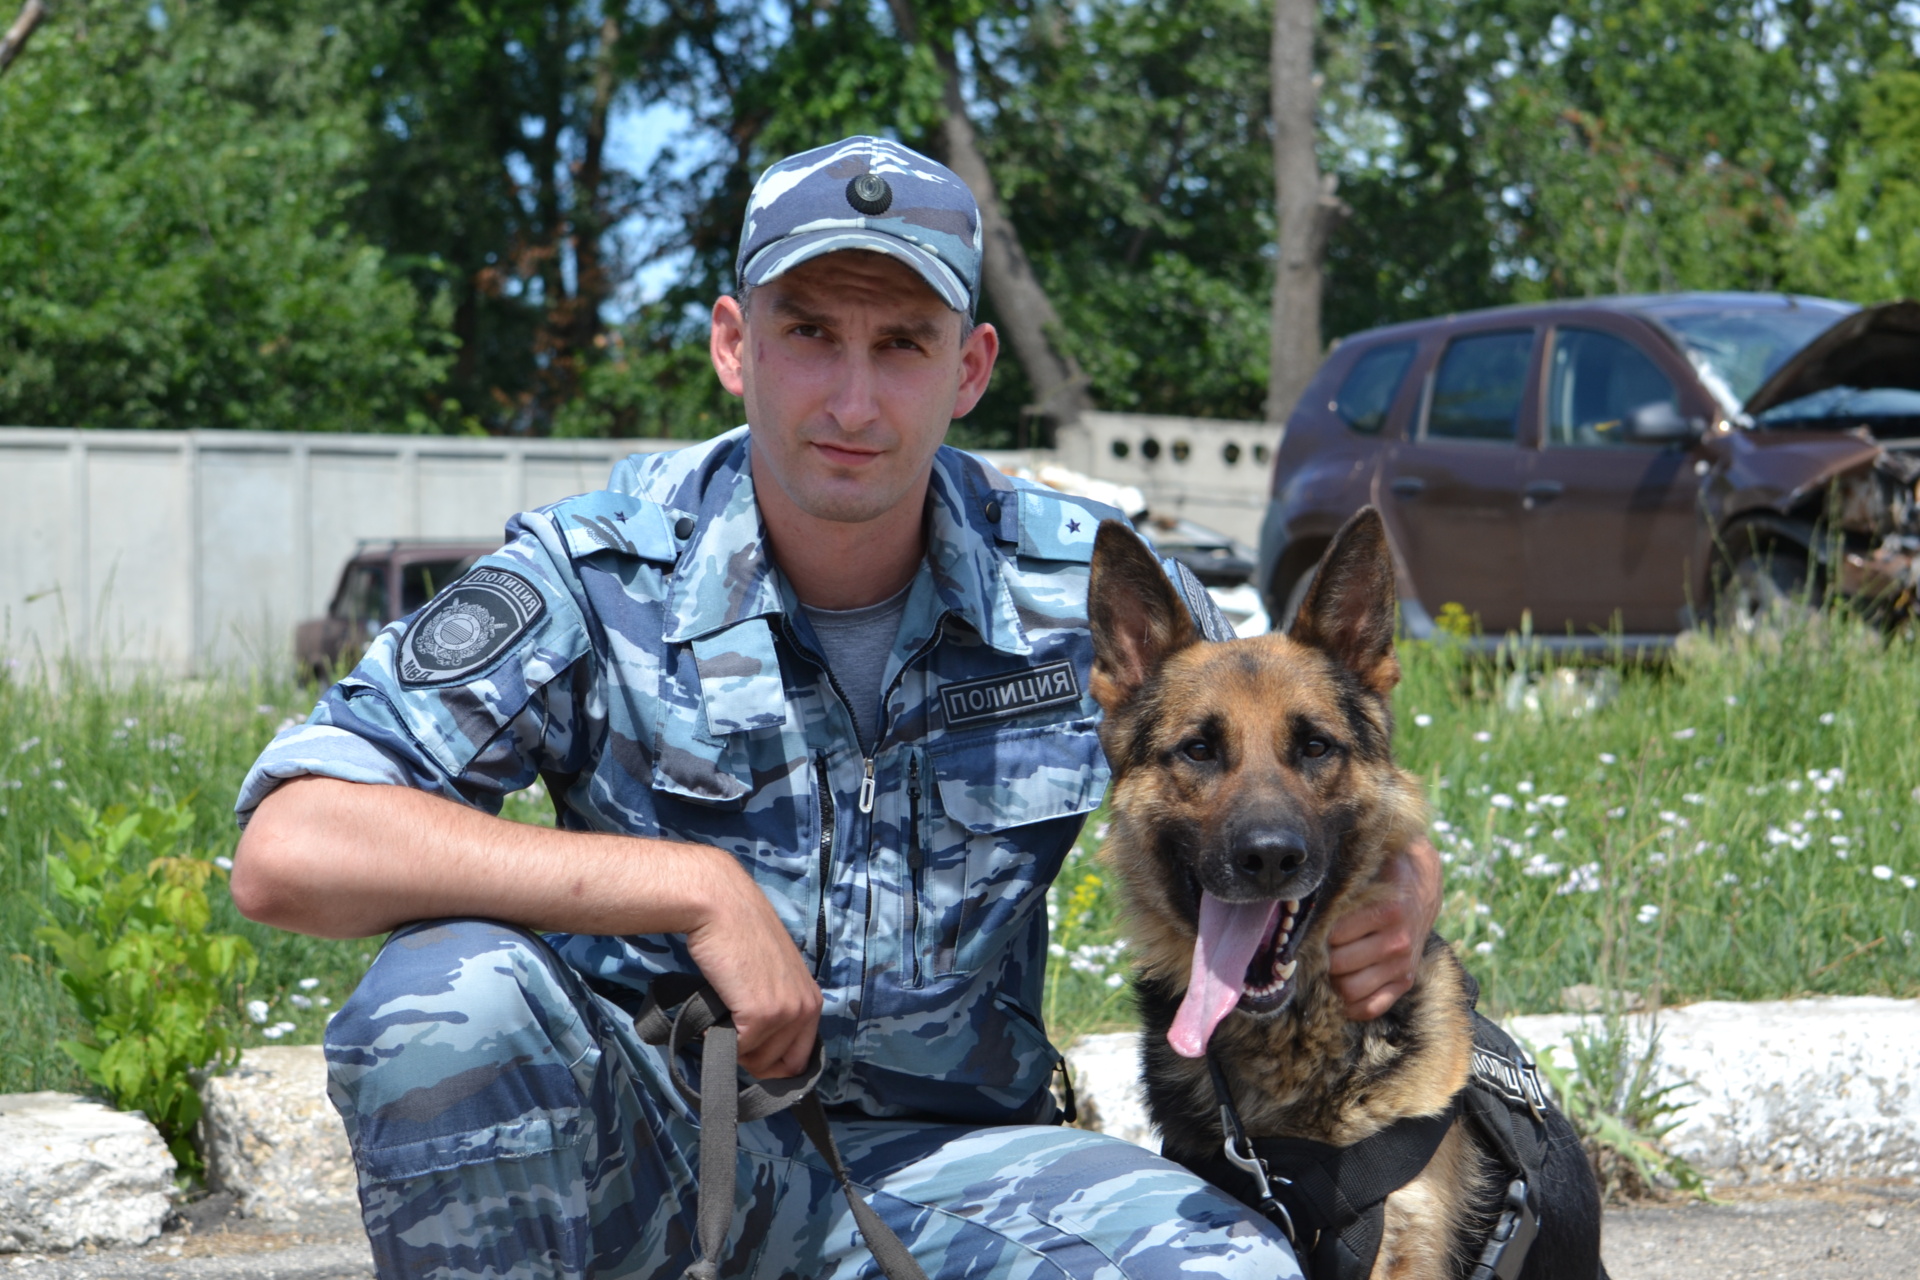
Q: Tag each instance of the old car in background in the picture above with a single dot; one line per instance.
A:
(1614, 470)
(384, 579)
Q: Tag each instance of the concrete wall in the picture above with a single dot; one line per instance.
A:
(196, 552)
(1213, 472)
(191, 552)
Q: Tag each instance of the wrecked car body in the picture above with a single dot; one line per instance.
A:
(1616, 470)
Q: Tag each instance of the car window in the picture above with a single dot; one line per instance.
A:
(1367, 391)
(421, 579)
(1595, 383)
(1476, 393)
(363, 596)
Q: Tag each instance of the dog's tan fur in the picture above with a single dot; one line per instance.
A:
(1306, 1071)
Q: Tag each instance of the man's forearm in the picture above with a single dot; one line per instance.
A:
(346, 860)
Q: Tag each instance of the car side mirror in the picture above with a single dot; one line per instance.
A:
(1660, 423)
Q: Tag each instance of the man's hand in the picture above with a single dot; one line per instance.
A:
(748, 956)
(1376, 951)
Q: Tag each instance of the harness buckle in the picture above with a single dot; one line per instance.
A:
(1250, 1163)
(1506, 1249)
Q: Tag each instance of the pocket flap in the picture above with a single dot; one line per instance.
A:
(1016, 776)
(740, 684)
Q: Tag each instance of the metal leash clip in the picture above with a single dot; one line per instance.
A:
(1252, 1164)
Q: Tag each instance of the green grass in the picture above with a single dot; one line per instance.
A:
(1561, 834)
(1739, 823)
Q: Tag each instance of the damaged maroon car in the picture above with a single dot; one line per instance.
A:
(1616, 470)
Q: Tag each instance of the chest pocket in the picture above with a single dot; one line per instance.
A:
(728, 687)
(1007, 806)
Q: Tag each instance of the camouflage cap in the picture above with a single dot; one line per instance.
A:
(865, 193)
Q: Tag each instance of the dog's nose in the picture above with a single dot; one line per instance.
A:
(1265, 860)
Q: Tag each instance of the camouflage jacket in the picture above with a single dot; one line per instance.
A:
(637, 649)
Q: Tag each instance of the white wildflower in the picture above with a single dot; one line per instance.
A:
(1648, 913)
(1882, 872)
(1423, 720)
(1681, 735)
(257, 1012)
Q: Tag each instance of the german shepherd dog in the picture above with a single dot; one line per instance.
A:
(1255, 799)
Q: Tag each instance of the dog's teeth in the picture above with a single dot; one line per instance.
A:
(1281, 941)
(1285, 971)
(1286, 926)
(1293, 905)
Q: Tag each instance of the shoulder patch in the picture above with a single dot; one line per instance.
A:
(1056, 526)
(467, 626)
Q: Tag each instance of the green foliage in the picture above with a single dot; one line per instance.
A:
(134, 951)
(171, 246)
(1861, 240)
(649, 386)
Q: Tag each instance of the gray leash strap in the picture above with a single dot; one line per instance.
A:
(723, 1102)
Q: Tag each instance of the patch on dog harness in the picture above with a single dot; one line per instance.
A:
(1515, 1080)
(1015, 694)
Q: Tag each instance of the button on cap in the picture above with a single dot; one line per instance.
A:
(683, 528)
(993, 513)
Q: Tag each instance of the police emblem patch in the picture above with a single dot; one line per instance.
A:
(971, 701)
(467, 626)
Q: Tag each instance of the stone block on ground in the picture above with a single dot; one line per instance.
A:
(272, 1138)
(1779, 1091)
(75, 1172)
(1106, 1083)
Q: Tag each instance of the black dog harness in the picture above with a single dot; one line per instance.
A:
(1331, 1201)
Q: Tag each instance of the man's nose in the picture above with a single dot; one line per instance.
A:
(855, 400)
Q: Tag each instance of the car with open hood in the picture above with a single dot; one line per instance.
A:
(1615, 470)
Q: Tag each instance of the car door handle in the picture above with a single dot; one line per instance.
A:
(1541, 490)
(1407, 486)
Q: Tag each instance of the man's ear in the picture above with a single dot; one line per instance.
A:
(727, 344)
(1349, 609)
(1138, 619)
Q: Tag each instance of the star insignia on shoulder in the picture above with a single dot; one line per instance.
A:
(1073, 526)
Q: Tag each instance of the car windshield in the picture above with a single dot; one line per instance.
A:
(1743, 346)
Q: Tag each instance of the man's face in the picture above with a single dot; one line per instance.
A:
(851, 368)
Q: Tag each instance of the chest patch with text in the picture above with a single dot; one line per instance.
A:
(467, 626)
(1013, 694)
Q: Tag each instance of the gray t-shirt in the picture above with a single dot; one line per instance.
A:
(857, 643)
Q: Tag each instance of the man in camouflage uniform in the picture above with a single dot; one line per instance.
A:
(651, 652)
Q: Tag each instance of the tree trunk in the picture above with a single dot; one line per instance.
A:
(1304, 206)
(1025, 313)
(14, 42)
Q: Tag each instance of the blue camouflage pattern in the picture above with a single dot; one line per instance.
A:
(668, 684)
(804, 206)
(507, 1121)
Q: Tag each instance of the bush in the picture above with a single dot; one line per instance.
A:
(136, 955)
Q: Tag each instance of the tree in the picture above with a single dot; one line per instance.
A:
(172, 247)
(1304, 203)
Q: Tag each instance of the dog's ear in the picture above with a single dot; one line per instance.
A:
(1349, 610)
(1138, 619)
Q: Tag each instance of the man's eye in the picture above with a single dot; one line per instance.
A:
(1198, 749)
(1314, 748)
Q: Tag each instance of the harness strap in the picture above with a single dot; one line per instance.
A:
(722, 1102)
(1331, 1201)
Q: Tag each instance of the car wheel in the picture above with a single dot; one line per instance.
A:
(1765, 590)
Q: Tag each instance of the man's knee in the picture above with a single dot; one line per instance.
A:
(467, 1038)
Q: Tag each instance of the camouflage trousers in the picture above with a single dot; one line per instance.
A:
(507, 1121)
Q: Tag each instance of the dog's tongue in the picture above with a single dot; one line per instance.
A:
(1230, 932)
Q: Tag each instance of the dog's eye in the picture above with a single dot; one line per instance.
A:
(1198, 749)
(1314, 748)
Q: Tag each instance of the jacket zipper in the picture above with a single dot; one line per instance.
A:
(912, 939)
(824, 785)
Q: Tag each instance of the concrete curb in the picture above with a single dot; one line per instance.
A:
(1780, 1091)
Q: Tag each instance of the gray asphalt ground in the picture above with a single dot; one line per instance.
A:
(1867, 1231)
